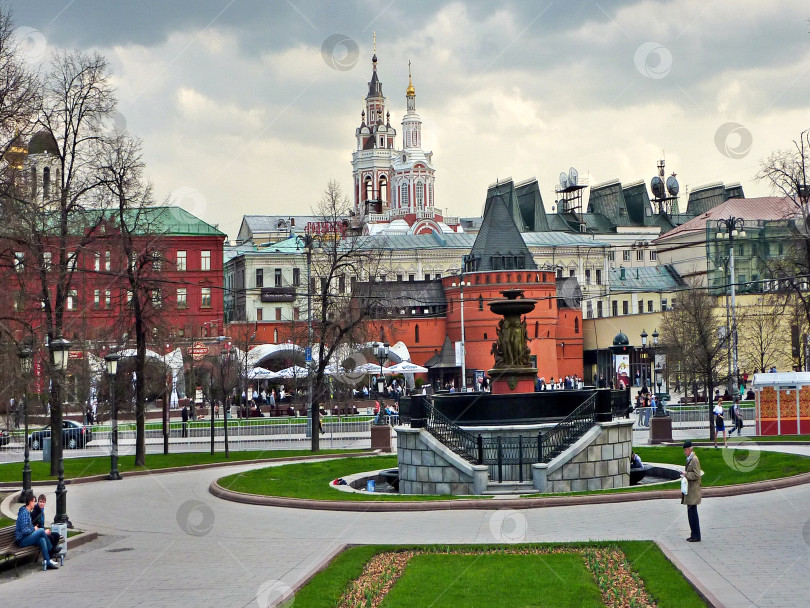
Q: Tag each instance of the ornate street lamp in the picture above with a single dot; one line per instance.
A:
(643, 359)
(382, 354)
(60, 349)
(25, 353)
(729, 229)
(111, 361)
(309, 242)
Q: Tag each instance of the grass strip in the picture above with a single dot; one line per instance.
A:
(100, 465)
(505, 575)
(311, 480)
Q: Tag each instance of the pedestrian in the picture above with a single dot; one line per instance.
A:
(25, 535)
(718, 422)
(691, 498)
(736, 417)
(184, 416)
(38, 521)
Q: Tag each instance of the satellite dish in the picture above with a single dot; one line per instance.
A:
(672, 186)
(563, 180)
(573, 174)
(657, 187)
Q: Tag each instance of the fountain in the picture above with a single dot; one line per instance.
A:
(512, 372)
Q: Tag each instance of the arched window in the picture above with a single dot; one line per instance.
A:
(33, 182)
(369, 189)
(536, 329)
(416, 334)
(275, 336)
(576, 325)
(485, 335)
(480, 302)
(383, 189)
(403, 196)
(420, 195)
(46, 182)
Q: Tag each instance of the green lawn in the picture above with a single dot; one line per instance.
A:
(311, 480)
(99, 465)
(5, 521)
(439, 578)
(495, 581)
(725, 466)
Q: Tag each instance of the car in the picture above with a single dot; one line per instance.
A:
(5, 437)
(74, 435)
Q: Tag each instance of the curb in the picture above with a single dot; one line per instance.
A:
(14, 485)
(498, 503)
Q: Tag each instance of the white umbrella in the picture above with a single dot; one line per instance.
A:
(260, 373)
(295, 371)
(405, 367)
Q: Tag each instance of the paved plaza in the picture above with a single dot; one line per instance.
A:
(165, 541)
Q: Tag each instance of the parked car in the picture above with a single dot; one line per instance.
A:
(74, 435)
(5, 437)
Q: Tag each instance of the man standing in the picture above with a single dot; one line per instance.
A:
(692, 497)
(184, 416)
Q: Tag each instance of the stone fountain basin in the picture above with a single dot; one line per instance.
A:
(512, 307)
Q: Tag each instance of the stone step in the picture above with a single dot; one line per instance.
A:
(509, 487)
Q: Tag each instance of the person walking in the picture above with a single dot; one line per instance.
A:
(691, 498)
(736, 417)
(719, 425)
(184, 416)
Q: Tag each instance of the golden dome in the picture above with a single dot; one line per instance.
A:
(410, 91)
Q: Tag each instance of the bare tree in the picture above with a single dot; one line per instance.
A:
(339, 315)
(762, 330)
(691, 337)
(121, 172)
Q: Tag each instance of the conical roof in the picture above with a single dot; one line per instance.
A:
(499, 244)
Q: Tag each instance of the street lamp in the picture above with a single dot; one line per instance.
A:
(60, 349)
(309, 241)
(730, 228)
(111, 361)
(643, 358)
(382, 354)
(227, 359)
(25, 353)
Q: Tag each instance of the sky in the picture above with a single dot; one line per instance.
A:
(250, 106)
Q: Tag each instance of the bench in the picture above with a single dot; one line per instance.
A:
(10, 552)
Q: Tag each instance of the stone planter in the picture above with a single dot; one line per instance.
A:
(381, 437)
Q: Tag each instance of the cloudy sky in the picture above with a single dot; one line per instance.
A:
(250, 106)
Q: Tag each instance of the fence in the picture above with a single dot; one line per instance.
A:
(695, 416)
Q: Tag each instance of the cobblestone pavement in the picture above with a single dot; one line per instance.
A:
(167, 542)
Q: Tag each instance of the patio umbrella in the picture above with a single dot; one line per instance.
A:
(405, 367)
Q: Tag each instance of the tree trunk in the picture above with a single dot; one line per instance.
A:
(140, 382)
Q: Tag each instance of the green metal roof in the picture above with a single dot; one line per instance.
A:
(645, 278)
(175, 221)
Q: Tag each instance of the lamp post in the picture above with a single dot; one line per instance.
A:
(112, 369)
(643, 359)
(730, 228)
(463, 343)
(60, 348)
(24, 353)
(309, 241)
(227, 359)
(382, 355)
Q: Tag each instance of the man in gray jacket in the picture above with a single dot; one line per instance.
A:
(692, 497)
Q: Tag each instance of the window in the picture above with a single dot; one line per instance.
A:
(324, 285)
(589, 309)
(47, 257)
(572, 272)
(598, 276)
(354, 284)
(106, 260)
(403, 196)
(626, 255)
(399, 277)
(296, 277)
(576, 325)
(72, 299)
(259, 314)
(157, 261)
(587, 276)
(278, 314)
(625, 307)
(615, 308)
(275, 336)
(411, 277)
(277, 277)
(205, 297)
(107, 298)
(260, 277)
(611, 256)
(780, 248)
(663, 304)
(205, 260)
(653, 256)
(437, 276)
(296, 313)
(480, 302)
(599, 309)
(19, 261)
(427, 277)
(97, 261)
(420, 195)
(649, 305)
(640, 255)
(741, 249)
(559, 273)
(181, 260)
(416, 334)
(157, 298)
(97, 299)
(182, 301)
(640, 306)
(342, 283)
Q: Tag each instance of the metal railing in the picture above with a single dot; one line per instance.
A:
(558, 439)
(463, 443)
